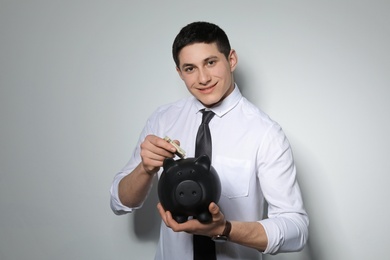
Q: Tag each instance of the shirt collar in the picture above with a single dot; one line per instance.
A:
(225, 106)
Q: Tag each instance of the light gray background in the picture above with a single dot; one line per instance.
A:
(79, 78)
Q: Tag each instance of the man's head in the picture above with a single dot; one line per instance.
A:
(205, 62)
(200, 32)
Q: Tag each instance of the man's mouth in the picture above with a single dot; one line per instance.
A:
(207, 90)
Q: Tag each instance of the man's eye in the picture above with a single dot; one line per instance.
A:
(188, 69)
(211, 62)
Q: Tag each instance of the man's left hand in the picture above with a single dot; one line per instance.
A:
(193, 226)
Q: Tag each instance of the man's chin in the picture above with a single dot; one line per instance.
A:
(209, 102)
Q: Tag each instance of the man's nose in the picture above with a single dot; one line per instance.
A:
(204, 76)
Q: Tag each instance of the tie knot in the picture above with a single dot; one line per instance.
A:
(207, 116)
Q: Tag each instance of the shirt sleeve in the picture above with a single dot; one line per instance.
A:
(116, 205)
(287, 223)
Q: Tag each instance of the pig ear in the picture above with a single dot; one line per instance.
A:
(168, 163)
(204, 161)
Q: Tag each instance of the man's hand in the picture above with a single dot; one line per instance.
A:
(193, 226)
(134, 187)
(153, 152)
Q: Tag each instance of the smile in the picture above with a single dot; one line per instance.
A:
(207, 90)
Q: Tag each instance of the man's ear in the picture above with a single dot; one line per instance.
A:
(233, 60)
(179, 71)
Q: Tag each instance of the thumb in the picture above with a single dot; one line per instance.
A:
(213, 208)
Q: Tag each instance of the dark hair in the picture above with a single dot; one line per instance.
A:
(200, 32)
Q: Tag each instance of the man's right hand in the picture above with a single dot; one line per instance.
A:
(153, 152)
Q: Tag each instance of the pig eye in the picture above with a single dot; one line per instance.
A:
(193, 171)
(179, 173)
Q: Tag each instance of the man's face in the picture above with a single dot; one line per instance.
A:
(206, 72)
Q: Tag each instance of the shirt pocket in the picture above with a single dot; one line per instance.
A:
(234, 175)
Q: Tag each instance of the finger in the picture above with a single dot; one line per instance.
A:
(216, 212)
(168, 219)
(155, 155)
(177, 142)
(213, 208)
(162, 213)
(163, 144)
(157, 150)
(171, 222)
(180, 227)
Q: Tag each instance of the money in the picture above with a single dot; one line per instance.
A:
(179, 151)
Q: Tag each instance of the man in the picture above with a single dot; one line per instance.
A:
(249, 151)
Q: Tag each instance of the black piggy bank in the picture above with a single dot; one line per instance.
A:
(187, 187)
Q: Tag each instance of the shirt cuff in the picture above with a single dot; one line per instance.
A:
(284, 234)
(116, 205)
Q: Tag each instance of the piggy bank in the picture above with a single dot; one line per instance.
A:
(187, 187)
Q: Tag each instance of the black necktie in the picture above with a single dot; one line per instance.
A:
(204, 247)
(203, 137)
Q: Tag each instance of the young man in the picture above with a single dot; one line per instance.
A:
(250, 153)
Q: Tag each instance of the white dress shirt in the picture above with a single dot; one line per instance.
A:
(255, 164)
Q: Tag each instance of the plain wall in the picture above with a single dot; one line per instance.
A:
(79, 78)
